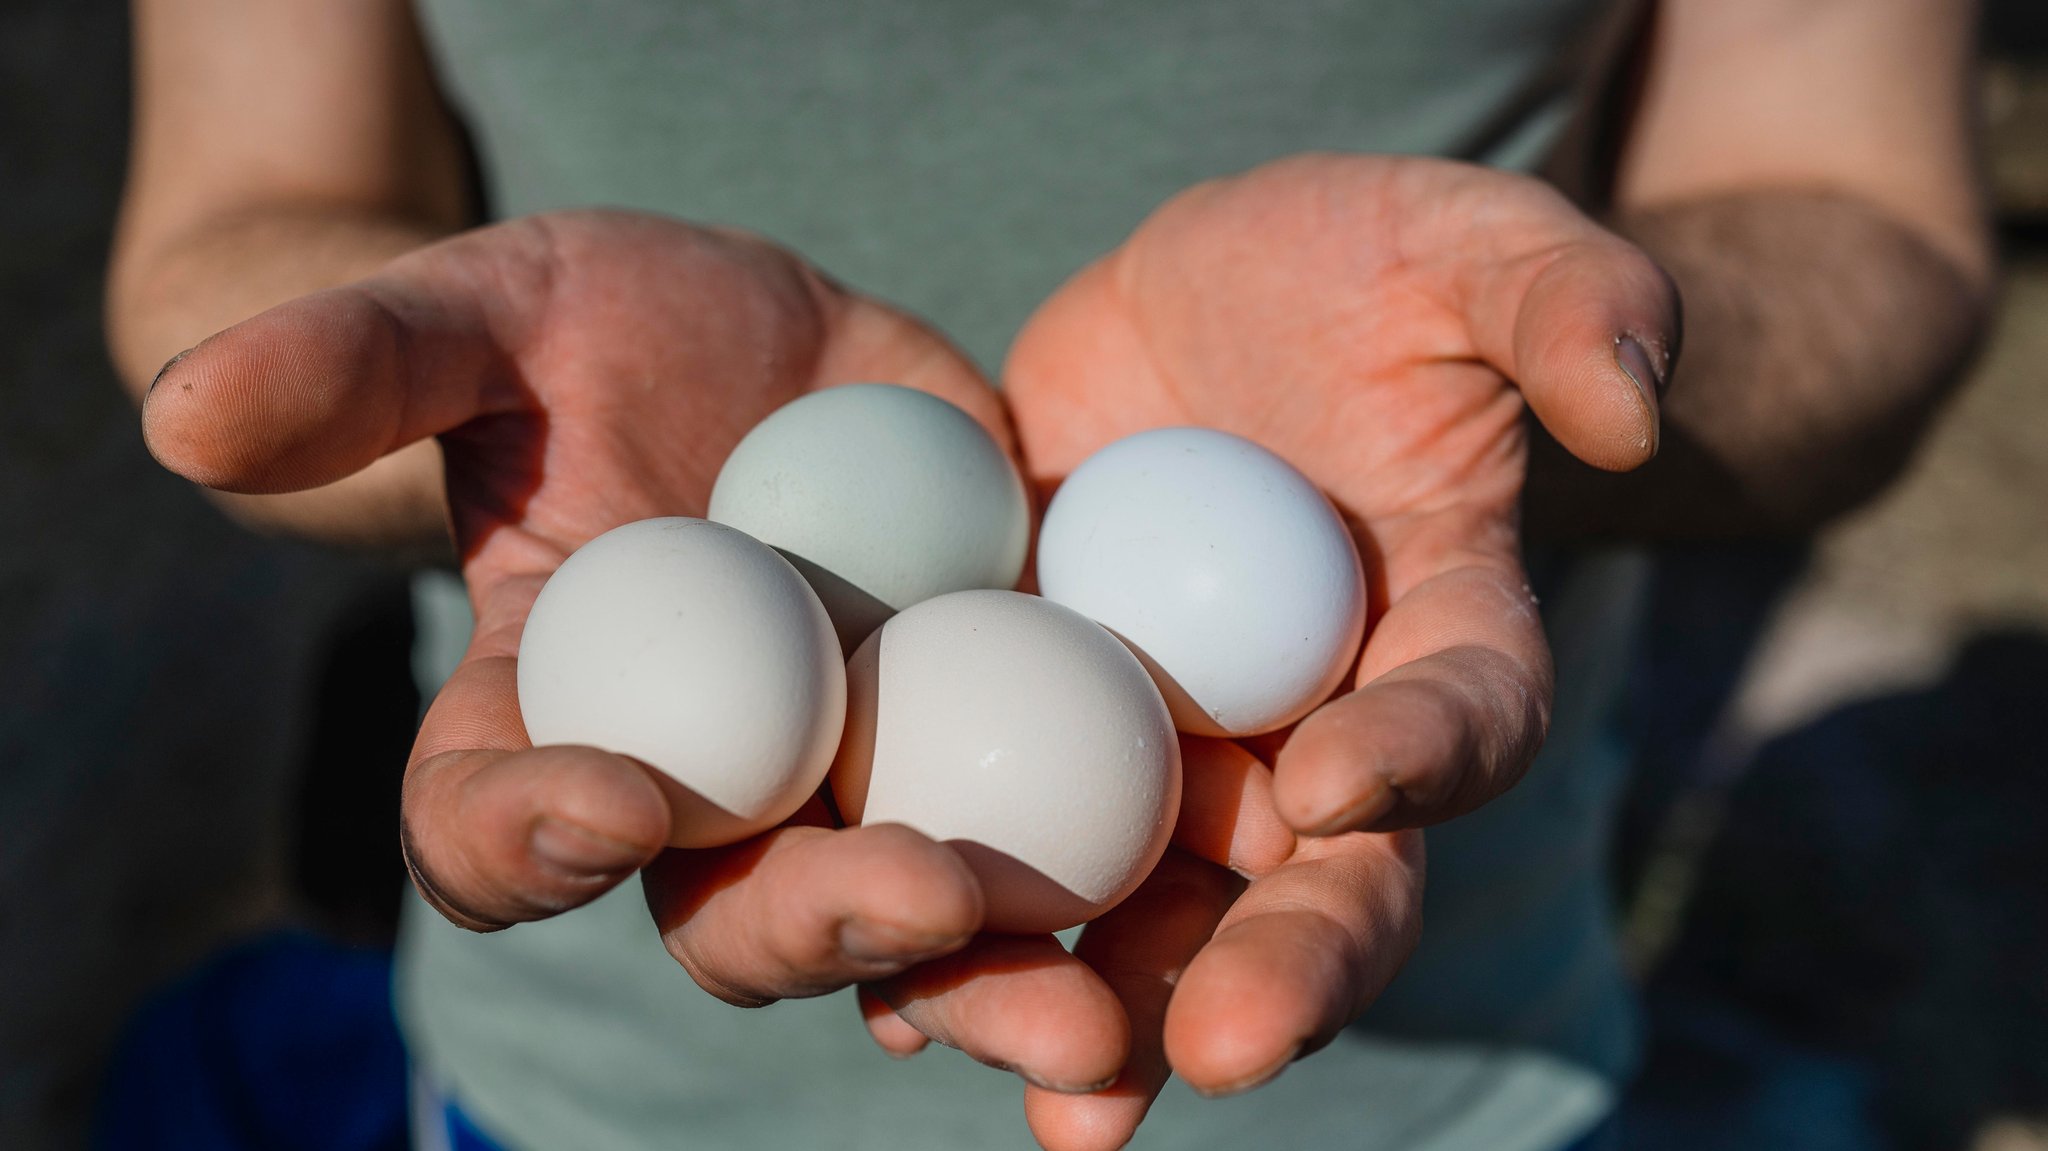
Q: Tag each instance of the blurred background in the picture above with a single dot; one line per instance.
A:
(1834, 876)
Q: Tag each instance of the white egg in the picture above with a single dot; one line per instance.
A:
(698, 651)
(882, 496)
(1023, 735)
(1220, 564)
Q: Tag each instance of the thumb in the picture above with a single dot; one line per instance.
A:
(320, 387)
(1588, 329)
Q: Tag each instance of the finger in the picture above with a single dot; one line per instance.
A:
(802, 911)
(1020, 1003)
(887, 1028)
(1584, 322)
(1454, 688)
(497, 832)
(1140, 949)
(1226, 808)
(317, 388)
(1299, 955)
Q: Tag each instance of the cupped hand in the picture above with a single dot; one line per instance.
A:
(1382, 323)
(582, 370)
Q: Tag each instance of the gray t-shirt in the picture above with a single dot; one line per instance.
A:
(962, 158)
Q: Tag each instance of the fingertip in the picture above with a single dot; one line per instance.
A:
(1300, 955)
(1218, 1066)
(1353, 806)
(295, 397)
(1258, 1076)
(1210, 1059)
(574, 853)
(1103, 1121)
(156, 436)
(1077, 1060)
(1227, 814)
(895, 1036)
(1020, 1003)
(495, 838)
(614, 797)
(912, 878)
(177, 440)
(803, 910)
(1249, 1006)
(1593, 349)
(320, 387)
(1389, 751)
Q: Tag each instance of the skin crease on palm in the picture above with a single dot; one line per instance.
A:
(1360, 316)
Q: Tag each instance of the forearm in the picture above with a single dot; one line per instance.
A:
(1819, 336)
(281, 147)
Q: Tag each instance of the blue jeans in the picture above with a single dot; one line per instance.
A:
(285, 1041)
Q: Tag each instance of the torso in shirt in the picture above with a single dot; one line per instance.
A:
(962, 159)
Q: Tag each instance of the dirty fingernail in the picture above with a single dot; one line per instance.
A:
(580, 853)
(1037, 1080)
(168, 365)
(1068, 1088)
(1254, 1080)
(1364, 811)
(1641, 368)
(903, 1054)
(867, 942)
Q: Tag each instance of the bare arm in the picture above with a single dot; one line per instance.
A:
(1804, 170)
(281, 147)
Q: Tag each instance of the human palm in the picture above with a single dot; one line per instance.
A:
(582, 370)
(1380, 323)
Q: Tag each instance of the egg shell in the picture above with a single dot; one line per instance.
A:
(698, 651)
(882, 496)
(1220, 564)
(1024, 736)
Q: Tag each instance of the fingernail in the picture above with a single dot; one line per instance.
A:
(866, 942)
(168, 365)
(580, 853)
(1256, 1080)
(1637, 364)
(1037, 1080)
(1641, 369)
(1068, 1088)
(1365, 811)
